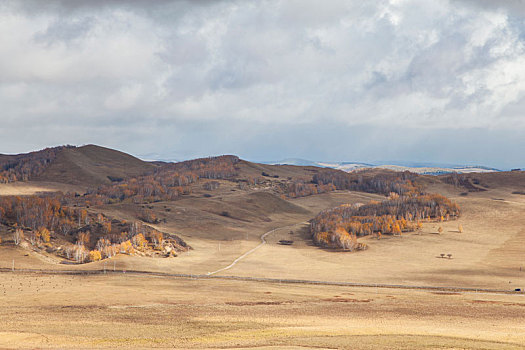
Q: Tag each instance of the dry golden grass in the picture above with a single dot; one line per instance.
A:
(109, 311)
(128, 311)
(32, 188)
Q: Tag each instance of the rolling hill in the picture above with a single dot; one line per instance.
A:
(87, 165)
(217, 198)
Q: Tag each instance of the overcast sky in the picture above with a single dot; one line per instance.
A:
(439, 81)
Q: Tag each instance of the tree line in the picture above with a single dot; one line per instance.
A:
(341, 226)
(384, 182)
(166, 183)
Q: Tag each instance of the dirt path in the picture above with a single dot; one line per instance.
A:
(263, 242)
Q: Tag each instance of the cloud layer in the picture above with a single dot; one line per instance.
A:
(344, 80)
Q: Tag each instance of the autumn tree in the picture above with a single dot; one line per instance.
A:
(126, 247)
(95, 255)
(106, 226)
(84, 238)
(44, 234)
(139, 241)
(396, 230)
(156, 238)
(83, 217)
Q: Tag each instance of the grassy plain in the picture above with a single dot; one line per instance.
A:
(125, 311)
(130, 311)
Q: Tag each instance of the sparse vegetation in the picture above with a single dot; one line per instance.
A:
(23, 167)
(464, 181)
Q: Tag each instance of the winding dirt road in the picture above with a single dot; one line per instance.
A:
(263, 242)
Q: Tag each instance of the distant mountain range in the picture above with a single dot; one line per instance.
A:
(416, 167)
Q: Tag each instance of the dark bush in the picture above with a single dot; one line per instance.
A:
(115, 178)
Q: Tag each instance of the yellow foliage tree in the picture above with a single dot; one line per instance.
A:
(396, 230)
(44, 234)
(126, 247)
(139, 241)
(95, 255)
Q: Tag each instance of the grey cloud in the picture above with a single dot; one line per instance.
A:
(513, 7)
(262, 79)
(80, 6)
(65, 30)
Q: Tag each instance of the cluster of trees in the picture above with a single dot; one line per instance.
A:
(211, 185)
(250, 181)
(339, 238)
(462, 180)
(25, 166)
(96, 245)
(327, 180)
(87, 236)
(402, 183)
(300, 188)
(144, 189)
(221, 167)
(166, 183)
(339, 227)
(34, 212)
(148, 216)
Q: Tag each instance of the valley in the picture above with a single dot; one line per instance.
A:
(235, 227)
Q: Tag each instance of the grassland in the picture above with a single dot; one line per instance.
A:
(137, 311)
(109, 311)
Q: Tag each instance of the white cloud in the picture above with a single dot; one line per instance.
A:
(169, 66)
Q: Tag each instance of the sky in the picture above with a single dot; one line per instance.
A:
(414, 80)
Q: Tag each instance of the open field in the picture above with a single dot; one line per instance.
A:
(140, 311)
(108, 311)
(27, 189)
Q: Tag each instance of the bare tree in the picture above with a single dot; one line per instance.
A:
(18, 235)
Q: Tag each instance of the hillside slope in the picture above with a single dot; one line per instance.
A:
(87, 165)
